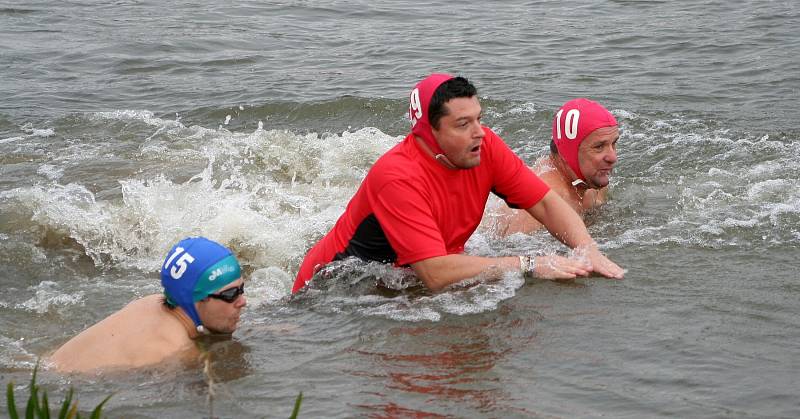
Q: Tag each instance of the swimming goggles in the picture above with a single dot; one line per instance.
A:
(229, 295)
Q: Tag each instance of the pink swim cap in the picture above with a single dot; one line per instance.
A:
(419, 101)
(573, 123)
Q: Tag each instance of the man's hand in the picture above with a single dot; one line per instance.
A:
(598, 262)
(566, 226)
(604, 266)
(560, 267)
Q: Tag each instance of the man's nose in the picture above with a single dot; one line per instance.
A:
(611, 156)
(241, 301)
(477, 130)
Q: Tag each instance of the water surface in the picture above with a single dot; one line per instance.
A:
(126, 126)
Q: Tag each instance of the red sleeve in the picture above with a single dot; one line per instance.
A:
(514, 182)
(407, 220)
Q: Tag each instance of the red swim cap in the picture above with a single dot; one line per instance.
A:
(573, 123)
(419, 101)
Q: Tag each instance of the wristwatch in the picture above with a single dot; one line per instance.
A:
(527, 265)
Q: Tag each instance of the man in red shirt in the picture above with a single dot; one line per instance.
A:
(425, 197)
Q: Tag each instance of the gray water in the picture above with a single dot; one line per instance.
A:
(125, 126)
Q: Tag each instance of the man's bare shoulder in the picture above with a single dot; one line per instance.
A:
(141, 333)
(552, 177)
(148, 302)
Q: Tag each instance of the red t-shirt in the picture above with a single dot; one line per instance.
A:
(410, 207)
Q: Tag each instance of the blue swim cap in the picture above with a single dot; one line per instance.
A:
(195, 268)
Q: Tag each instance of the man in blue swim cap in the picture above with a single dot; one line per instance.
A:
(203, 293)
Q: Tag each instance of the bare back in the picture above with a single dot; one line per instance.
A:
(143, 333)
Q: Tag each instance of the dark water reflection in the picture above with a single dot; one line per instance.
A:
(454, 368)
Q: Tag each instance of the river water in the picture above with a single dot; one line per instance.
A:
(127, 125)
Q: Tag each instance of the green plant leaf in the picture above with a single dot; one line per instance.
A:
(73, 413)
(99, 408)
(31, 408)
(12, 406)
(62, 414)
(44, 408)
(297, 403)
(33, 398)
(37, 408)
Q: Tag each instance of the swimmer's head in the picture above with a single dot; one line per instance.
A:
(572, 124)
(419, 109)
(195, 268)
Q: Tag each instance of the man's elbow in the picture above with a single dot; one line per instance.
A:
(434, 284)
(61, 362)
(433, 278)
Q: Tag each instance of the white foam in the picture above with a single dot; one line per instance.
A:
(49, 296)
(714, 172)
(776, 211)
(478, 297)
(11, 139)
(659, 125)
(765, 169)
(136, 115)
(711, 229)
(527, 108)
(764, 189)
(50, 171)
(266, 194)
(402, 313)
(268, 285)
(14, 354)
(44, 133)
(621, 113)
(31, 132)
(749, 223)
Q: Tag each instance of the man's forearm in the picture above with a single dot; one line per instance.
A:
(561, 220)
(441, 271)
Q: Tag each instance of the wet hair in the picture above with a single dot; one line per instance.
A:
(553, 148)
(451, 89)
(165, 302)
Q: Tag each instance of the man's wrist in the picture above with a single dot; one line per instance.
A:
(589, 246)
(527, 265)
(532, 266)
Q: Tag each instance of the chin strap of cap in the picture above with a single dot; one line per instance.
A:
(419, 102)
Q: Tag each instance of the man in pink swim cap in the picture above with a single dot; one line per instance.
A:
(422, 200)
(583, 152)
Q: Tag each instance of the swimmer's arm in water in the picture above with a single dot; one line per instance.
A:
(441, 271)
(568, 227)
